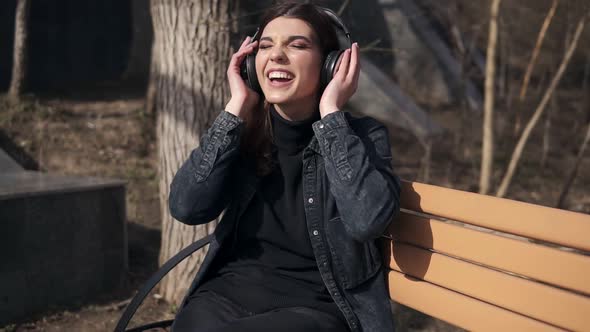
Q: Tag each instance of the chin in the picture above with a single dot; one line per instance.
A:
(274, 99)
(285, 96)
(278, 97)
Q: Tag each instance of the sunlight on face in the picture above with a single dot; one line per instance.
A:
(288, 62)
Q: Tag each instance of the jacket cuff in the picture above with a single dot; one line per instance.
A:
(227, 121)
(330, 122)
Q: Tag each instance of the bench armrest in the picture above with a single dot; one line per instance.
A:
(155, 279)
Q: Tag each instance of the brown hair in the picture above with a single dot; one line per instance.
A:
(257, 139)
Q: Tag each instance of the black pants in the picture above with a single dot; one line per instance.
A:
(207, 311)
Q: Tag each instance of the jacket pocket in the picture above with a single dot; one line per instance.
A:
(354, 262)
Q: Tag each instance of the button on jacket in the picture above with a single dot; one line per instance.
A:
(350, 196)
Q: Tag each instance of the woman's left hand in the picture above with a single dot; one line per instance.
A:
(344, 83)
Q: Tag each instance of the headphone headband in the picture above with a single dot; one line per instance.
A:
(335, 20)
(338, 23)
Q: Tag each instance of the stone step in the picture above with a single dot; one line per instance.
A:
(63, 242)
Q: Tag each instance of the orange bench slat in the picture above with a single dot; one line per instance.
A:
(457, 309)
(557, 226)
(558, 267)
(546, 303)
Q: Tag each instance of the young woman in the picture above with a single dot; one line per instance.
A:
(307, 189)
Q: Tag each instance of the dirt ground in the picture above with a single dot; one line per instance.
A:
(113, 136)
(106, 138)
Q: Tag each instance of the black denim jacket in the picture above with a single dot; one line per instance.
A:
(350, 196)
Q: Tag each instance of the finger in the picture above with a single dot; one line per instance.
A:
(236, 56)
(249, 48)
(235, 61)
(344, 63)
(239, 55)
(354, 63)
(245, 42)
(338, 63)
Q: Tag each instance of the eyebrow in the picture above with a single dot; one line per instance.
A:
(290, 39)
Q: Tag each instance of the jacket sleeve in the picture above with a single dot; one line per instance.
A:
(358, 167)
(198, 190)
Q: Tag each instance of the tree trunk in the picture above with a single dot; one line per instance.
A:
(487, 149)
(19, 58)
(192, 50)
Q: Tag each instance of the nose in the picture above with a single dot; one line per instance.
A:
(277, 54)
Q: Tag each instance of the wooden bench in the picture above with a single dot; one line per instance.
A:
(475, 261)
(486, 263)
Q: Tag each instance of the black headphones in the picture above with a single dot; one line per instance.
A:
(248, 66)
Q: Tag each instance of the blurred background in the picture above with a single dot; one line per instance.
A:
(122, 90)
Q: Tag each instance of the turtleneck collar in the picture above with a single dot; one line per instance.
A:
(292, 136)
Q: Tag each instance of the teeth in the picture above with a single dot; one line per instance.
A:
(280, 74)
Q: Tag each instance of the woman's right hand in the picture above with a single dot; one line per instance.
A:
(243, 99)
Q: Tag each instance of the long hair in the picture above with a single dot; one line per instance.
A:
(256, 141)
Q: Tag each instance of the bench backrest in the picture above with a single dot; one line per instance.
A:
(486, 263)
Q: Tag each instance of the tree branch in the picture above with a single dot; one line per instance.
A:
(539, 43)
(516, 154)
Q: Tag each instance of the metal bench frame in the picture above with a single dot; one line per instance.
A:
(151, 283)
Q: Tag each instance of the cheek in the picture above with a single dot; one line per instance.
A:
(311, 68)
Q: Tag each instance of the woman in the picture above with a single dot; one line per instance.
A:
(306, 188)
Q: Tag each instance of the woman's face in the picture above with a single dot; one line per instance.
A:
(288, 61)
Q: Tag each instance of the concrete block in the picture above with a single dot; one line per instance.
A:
(63, 242)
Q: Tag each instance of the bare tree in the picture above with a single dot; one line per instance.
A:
(487, 157)
(516, 154)
(191, 53)
(19, 58)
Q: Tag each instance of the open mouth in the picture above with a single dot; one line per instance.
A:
(280, 78)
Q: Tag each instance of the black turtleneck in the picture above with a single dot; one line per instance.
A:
(272, 264)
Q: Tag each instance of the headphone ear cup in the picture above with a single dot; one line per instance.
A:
(248, 73)
(252, 76)
(329, 67)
